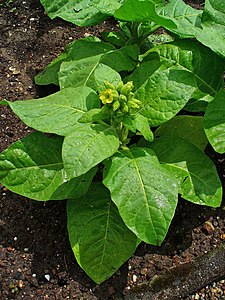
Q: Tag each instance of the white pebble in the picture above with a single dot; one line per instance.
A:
(47, 277)
(34, 275)
(15, 238)
(134, 278)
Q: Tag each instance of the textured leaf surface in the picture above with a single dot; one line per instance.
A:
(57, 113)
(164, 93)
(86, 146)
(76, 187)
(144, 192)
(192, 56)
(214, 122)
(142, 125)
(212, 33)
(82, 71)
(99, 238)
(76, 50)
(79, 12)
(197, 175)
(33, 167)
(189, 128)
(184, 16)
(139, 11)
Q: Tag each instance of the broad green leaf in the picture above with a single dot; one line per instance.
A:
(143, 72)
(76, 187)
(199, 102)
(86, 146)
(86, 47)
(164, 93)
(33, 167)
(104, 73)
(116, 38)
(192, 56)
(144, 192)
(82, 71)
(212, 32)
(79, 12)
(96, 115)
(139, 11)
(57, 113)
(142, 125)
(107, 7)
(196, 173)
(186, 18)
(189, 128)
(214, 122)
(100, 240)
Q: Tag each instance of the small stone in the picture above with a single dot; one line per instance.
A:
(208, 227)
(47, 277)
(134, 278)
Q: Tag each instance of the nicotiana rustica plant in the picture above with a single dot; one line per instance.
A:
(120, 150)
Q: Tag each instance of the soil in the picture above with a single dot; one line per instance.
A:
(36, 259)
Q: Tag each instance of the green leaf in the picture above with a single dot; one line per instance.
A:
(142, 125)
(186, 18)
(82, 71)
(139, 11)
(86, 47)
(191, 56)
(116, 38)
(189, 128)
(33, 167)
(214, 122)
(76, 187)
(207, 26)
(212, 32)
(57, 113)
(144, 192)
(86, 146)
(107, 7)
(79, 12)
(96, 115)
(104, 73)
(100, 240)
(197, 175)
(164, 93)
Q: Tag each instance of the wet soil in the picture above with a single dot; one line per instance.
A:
(36, 259)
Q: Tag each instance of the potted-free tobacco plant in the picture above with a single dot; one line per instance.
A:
(128, 126)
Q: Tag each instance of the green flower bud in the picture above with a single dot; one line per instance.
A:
(122, 98)
(116, 105)
(125, 107)
(109, 85)
(130, 96)
(127, 88)
(119, 86)
(115, 95)
(132, 104)
(137, 101)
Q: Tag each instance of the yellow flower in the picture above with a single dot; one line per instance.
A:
(106, 96)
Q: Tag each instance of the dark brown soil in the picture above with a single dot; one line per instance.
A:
(36, 259)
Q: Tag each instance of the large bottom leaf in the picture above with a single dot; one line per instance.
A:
(100, 240)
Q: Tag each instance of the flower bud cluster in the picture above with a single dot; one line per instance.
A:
(119, 97)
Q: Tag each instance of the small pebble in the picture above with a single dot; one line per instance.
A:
(47, 277)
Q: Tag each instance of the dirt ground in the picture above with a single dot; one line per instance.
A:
(36, 259)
